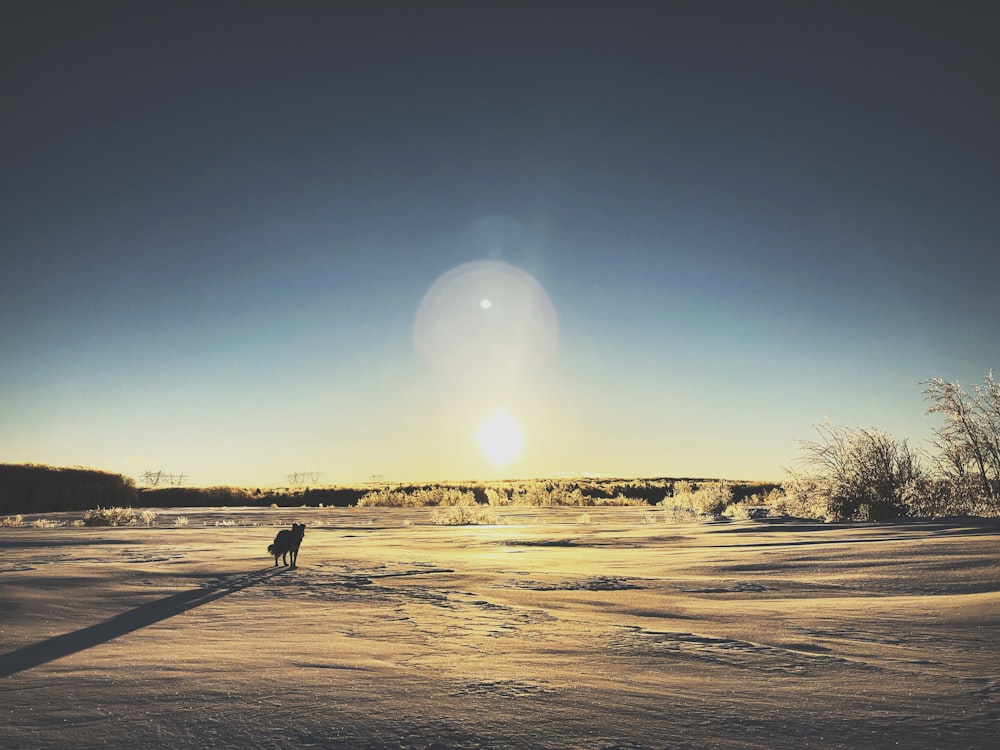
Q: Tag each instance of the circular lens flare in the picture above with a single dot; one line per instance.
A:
(500, 438)
(486, 319)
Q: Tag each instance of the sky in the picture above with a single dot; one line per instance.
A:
(473, 240)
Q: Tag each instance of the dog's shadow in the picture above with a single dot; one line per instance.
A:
(59, 646)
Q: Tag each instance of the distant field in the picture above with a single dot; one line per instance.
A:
(559, 628)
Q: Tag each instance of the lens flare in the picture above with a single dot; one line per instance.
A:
(500, 438)
(486, 319)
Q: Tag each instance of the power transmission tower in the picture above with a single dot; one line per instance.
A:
(304, 477)
(156, 478)
(152, 478)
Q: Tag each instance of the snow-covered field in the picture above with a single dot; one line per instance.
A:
(561, 628)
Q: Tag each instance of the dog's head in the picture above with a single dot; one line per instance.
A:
(299, 528)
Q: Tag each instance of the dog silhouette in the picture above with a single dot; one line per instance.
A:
(286, 544)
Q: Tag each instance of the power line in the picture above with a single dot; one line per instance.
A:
(304, 477)
(162, 478)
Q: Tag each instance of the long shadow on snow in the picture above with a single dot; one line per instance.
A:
(59, 646)
(16, 543)
(949, 529)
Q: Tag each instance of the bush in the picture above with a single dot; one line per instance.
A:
(802, 497)
(536, 494)
(444, 496)
(384, 499)
(951, 496)
(464, 515)
(737, 511)
(678, 514)
(708, 499)
(110, 517)
(856, 474)
(497, 496)
(756, 505)
(417, 498)
(618, 500)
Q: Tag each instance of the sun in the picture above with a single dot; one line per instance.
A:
(500, 438)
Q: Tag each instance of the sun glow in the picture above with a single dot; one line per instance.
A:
(500, 438)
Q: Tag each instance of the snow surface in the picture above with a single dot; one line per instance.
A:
(558, 629)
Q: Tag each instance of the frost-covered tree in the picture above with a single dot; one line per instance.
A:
(968, 442)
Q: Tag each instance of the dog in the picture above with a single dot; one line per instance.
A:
(286, 544)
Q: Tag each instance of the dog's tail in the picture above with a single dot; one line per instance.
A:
(270, 549)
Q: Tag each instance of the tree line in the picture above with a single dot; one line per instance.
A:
(30, 487)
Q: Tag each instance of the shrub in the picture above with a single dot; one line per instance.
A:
(737, 511)
(758, 505)
(550, 493)
(711, 498)
(13, 522)
(464, 515)
(678, 514)
(148, 517)
(618, 500)
(802, 497)
(856, 474)
(384, 498)
(497, 496)
(110, 517)
(443, 496)
(419, 497)
(951, 496)
(535, 494)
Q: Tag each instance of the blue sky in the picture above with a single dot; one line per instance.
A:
(218, 222)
